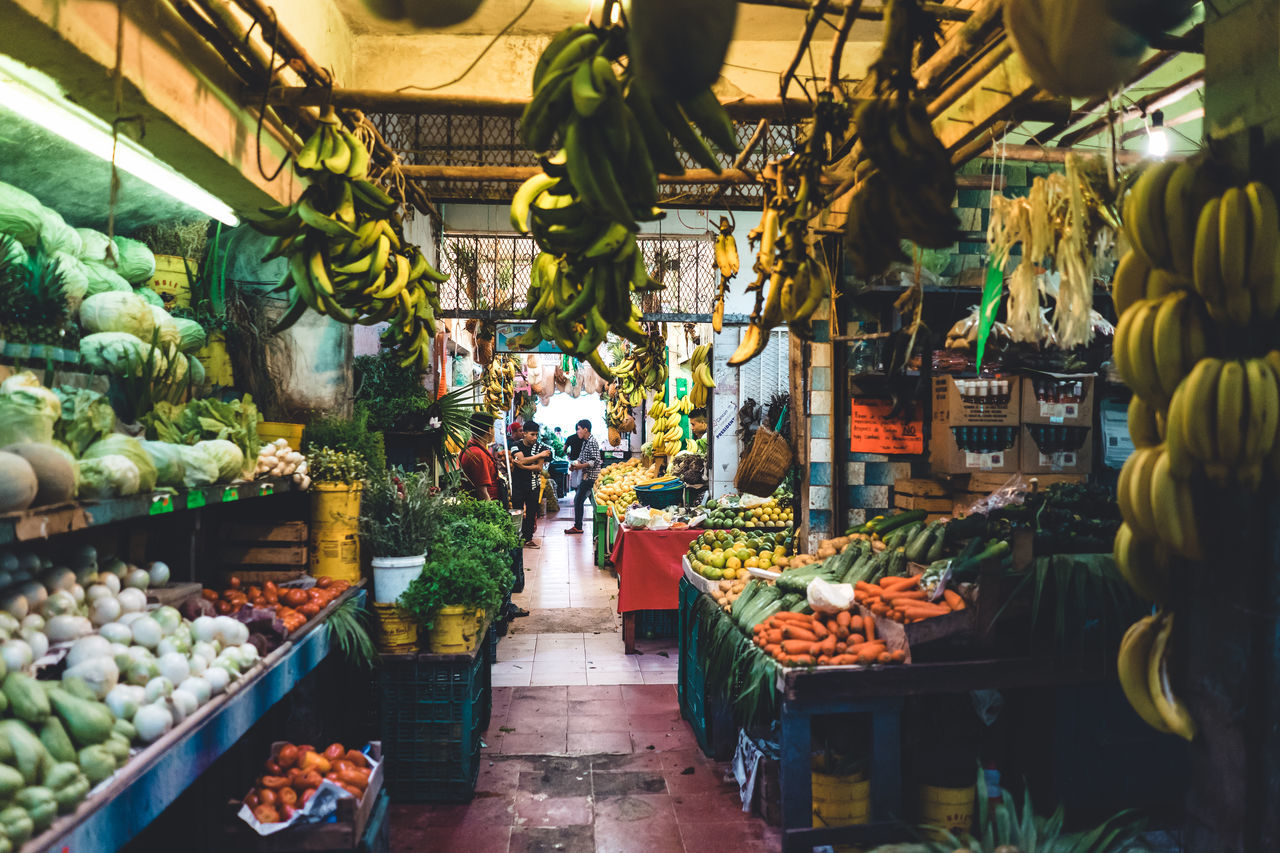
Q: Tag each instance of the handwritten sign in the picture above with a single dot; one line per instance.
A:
(872, 431)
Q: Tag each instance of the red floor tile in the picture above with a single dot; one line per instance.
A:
(482, 809)
(662, 721)
(600, 708)
(582, 723)
(708, 807)
(543, 811)
(636, 824)
(601, 693)
(530, 723)
(725, 835)
(552, 694)
(665, 741)
(562, 839)
(490, 838)
(594, 743)
(534, 744)
(705, 779)
(664, 694)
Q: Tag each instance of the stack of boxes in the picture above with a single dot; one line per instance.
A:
(1057, 424)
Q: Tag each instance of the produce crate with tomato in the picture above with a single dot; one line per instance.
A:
(294, 604)
(309, 798)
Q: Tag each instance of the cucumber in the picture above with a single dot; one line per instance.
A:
(935, 545)
(919, 544)
(895, 521)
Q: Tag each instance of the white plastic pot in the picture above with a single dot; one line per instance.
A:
(392, 576)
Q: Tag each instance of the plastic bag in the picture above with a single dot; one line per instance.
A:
(827, 597)
(638, 518)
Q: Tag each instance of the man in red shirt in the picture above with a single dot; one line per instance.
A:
(479, 470)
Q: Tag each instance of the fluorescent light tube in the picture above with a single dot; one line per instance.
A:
(21, 92)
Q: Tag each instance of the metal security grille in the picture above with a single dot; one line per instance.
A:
(768, 373)
(490, 275)
(480, 140)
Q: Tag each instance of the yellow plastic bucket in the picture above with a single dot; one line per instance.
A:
(217, 363)
(269, 431)
(171, 281)
(394, 631)
(454, 631)
(335, 525)
(947, 808)
(843, 800)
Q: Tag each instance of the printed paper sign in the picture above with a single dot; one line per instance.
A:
(872, 431)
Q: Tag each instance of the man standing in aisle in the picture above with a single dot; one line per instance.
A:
(528, 457)
(573, 446)
(589, 464)
(479, 468)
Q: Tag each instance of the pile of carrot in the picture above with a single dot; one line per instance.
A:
(902, 600)
(801, 639)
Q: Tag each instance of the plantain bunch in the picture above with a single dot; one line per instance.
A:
(604, 135)
(347, 255)
(644, 368)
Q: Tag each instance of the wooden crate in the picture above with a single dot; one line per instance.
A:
(929, 504)
(173, 594)
(262, 551)
(920, 487)
(344, 834)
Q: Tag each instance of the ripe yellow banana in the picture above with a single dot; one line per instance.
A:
(1264, 247)
(1206, 273)
(1143, 427)
(1171, 709)
(1132, 667)
(1129, 284)
(1142, 565)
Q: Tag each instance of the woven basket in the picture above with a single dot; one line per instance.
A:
(761, 471)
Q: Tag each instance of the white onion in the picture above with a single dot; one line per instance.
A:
(130, 618)
(159, 573)
(92, 646)
(99, 590)
(138, 579)
(227, 630)
(206, 650)
(174, 667)
(183, 704)
(152, 721)
(218, 679)
(158, 688)
(122, 702)
(198, 663)
(104, 610)
(10, 623)
(110, 581)
(117, 632)
(77, 592)
(37, 640)
(146, 631)
(15, 603)
(16, 655)
(132, 600)
(66, 627)
(197, 687)
(168, 617)
(204, 629)
(100, 674)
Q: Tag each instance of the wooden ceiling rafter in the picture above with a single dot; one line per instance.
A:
(868, 12)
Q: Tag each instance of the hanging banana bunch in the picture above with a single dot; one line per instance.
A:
(614, 136)
(347, 255)
(645, 367)
(726, 252)
(791, 281)
(1198, 297)
(668, 427)
(905, 175)
(499, 383)
(703, 381)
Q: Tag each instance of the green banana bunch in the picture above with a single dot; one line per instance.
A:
(582, 209)
(790, 281)
(644, 368)
(347, 257)
(499, 383)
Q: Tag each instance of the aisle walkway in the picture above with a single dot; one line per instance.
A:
(586, 751)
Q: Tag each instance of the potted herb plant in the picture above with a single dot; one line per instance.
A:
(397, 516)
(336, 482)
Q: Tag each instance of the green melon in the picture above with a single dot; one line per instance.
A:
(18, 484)
(54, 468)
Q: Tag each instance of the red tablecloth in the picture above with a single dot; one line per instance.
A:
(649, 567)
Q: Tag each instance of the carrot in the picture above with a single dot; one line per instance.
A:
(855, 624)
(953, 599)
(870, 652)
(899, 582)
(843, 660)
(844, 617)
(828, 646)
(795, 632)
(898, 655)
(801, 660)
(885, 657)
(823, 660)
(842, 632)
(925, 609)
(879, 609)
(788, 616)
(863, 586)
(797, 647)
(773, 636)
(840, 647)
(870, 626)
(772, 649)
(906, 595)
(819, 629)
(854, 640)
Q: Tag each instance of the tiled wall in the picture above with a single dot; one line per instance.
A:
(821, 479)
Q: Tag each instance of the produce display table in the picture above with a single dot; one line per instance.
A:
(600, 533)
(154, 778)
(649, 564)
(879, 691)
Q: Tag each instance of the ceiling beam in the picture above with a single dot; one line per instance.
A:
(515, 174)
(1038, 154)
(1145, 105)
(868, 12)
(435, 103)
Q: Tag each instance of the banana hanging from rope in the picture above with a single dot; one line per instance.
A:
(726, 254)
(703, 381)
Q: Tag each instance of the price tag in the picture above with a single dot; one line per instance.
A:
(160, 504)
(195, 499)
(267, 489)
(229, 494)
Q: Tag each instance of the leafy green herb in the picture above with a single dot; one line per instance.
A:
(398, 514)
(348, 434)
(335, 466)
(394, 396)
(235, 421)
(349, 629)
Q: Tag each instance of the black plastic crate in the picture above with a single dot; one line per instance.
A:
(434, 710)
(657, 624)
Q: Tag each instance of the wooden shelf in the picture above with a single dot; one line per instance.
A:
(123, 805)
(56, 519)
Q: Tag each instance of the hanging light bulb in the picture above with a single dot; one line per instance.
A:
(1157, 136)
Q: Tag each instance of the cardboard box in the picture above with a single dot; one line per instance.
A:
(920, 487)
(1058, 398)
(1048, 449)
(988, 483)
(976, 402)
(930, 504)
(986, 449)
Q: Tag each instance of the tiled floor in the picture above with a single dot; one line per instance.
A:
(588, 769)
(586, 751)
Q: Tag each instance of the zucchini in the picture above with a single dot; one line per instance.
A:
(918, 547)
(936, 544)
(967, 569)
(893, 522)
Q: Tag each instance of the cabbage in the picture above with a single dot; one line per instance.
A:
(170, 462)
(108, 477)
(117, 353)
(229, 457)
(201, 465)
(103, 279)
(56, 235)
(118, 312)
(25, 416)
(178, 374)
(130, 448)
(21, 214)
(197, 371)
(134, 260)
(169, 335)
(93, 245)
(148, 296)
(75, 279)
(86, 417)
(27, 381)
(191, 334)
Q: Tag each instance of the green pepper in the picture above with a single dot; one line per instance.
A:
(69, 796)
(16, 824)
(11, 782)
(61, 775)
(40, 804)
